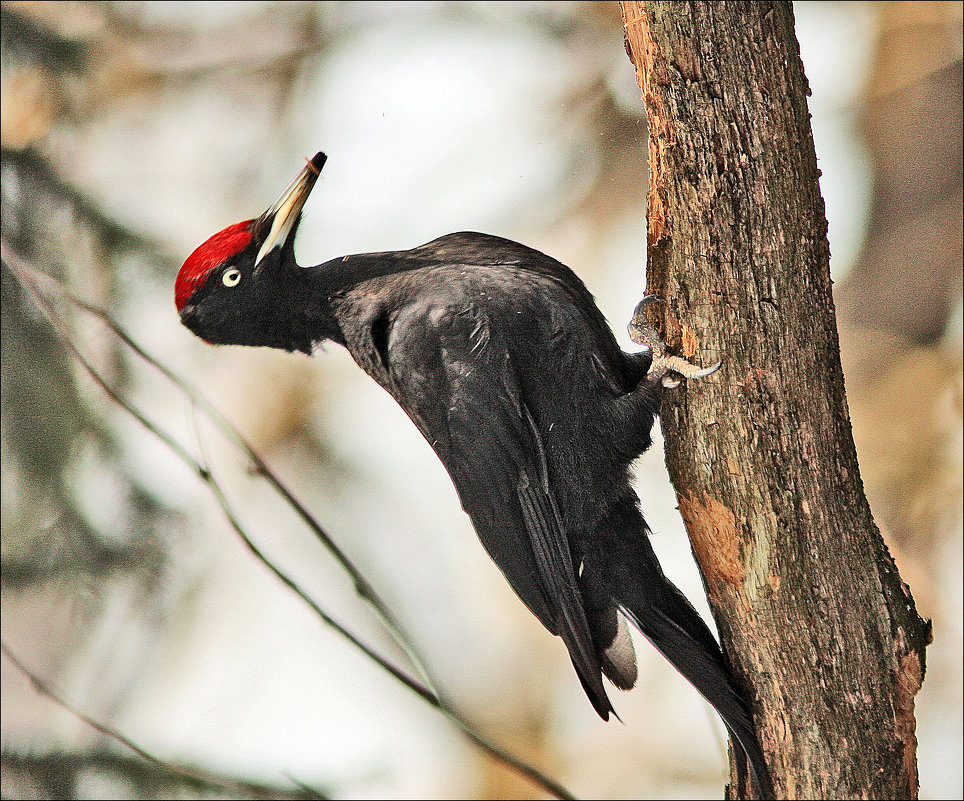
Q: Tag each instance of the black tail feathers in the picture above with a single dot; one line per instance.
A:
(706, 671)
(624, 574)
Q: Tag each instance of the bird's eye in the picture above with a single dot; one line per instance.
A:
(231, 277)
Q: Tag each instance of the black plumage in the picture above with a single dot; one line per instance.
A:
(500, 356)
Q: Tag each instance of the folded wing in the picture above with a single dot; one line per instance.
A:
(453, 374)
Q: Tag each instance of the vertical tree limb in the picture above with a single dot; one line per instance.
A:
(812, 612)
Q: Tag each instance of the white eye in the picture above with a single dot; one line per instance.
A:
(231, 277)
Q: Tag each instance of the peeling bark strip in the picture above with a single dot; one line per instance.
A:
(811, 609)
(909, 681)
(643, 53)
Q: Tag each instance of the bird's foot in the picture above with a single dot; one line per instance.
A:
(663, 364)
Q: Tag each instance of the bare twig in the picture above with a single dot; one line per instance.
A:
(362, 586)
(30, 277)
(192, 775)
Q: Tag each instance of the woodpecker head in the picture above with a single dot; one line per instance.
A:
(236, 288)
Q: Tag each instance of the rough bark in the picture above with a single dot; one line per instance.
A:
(815, 619)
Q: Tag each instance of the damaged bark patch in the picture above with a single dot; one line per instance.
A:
(910, 676)
(715, 535)
(689, 342)
(644, 53)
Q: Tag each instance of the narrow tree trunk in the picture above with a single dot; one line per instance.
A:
(814, 617)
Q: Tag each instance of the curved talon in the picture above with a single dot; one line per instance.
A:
(708, 370)
(647, 300)
(642, 333)
(663, 365)
(677, 364)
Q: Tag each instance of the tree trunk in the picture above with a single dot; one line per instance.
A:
(817, 624)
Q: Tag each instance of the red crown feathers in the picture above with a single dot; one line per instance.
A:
(196, 268)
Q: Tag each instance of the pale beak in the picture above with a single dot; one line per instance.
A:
(283, 215)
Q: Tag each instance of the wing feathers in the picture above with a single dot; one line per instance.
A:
(469, 405)
(558, 577)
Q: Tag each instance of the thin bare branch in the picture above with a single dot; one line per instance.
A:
(30, 277)
(363, 587)
(206, 780)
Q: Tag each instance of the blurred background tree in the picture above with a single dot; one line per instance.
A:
(131, 131)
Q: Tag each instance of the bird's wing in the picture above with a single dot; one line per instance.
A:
(453, 374)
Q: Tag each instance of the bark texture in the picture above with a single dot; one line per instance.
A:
(812, 612)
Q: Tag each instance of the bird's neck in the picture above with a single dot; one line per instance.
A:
(341, 275)
(327, 287)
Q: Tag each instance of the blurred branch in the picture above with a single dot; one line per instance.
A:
(114, 235)
(66, 767)
(907, 279)
(35, 42)
(93, 558)
(362, 586)
(123, 53)
(31, 277)
(291, 34)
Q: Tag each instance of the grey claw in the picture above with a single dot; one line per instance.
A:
(702, 372)
(679, 365)
(648, 300)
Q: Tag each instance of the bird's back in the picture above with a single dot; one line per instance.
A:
(523, 313)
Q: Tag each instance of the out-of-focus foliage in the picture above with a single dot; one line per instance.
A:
(92, 774)
(131, 131)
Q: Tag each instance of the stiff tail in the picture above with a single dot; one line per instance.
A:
(621, 572)
(706, 672)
